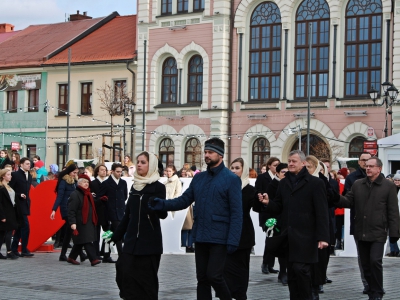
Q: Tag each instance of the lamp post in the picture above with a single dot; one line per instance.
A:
(128, 111)
(390, 96)
(297, 130)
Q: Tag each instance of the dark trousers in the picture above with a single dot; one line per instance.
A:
(67, 237)
(137, 277)
(6, 236)
(339, 225)
(97, 243)
(268, 259)
(22, 233)
(319, 269)
(113, 228)
(299, 281)
(282, 266)
(371, 254)
(210, 263)
(77, 250)
(236, 273)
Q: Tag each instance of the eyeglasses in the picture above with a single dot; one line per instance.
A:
(370, 166)
(283, 172)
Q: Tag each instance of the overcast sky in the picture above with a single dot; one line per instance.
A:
(23, 13)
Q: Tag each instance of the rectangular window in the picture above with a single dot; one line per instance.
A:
(350, 83)
(33, 100)
(85, 151)
(376, 79)
(198, 5)
(61, 155)
(276, 61)
(276, 36)
(30, 151)
(324, 58)
(86, 98)
(300, 86)
(254, 63)
(351, 29)
(12, 101)
(265, 37)
(300, 60)
(264, 87)
(351, 57)
(117, 152)
(276, 81)
(183, 6)
(376, 54)
(301, 34)
(166, 7)
(376, 27)
(324, 32)
(254, 88)
(363, 82)
(62, 98)
(255, 38)
(323, 85)
(363, 56)
(364, 28)
(265, 62)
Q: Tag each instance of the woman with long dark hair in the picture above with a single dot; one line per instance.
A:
(137, 265)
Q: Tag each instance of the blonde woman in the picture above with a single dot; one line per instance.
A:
(8, 213)
(131, 166)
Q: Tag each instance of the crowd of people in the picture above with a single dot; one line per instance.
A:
(300, 205)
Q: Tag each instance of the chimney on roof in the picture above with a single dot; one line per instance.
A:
(5, 27)
(77, 16)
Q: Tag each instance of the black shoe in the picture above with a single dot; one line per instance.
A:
(27, 254)
(283, 280)
(314, 293)
(189, 250)
(273, 271)
(366, 289)
(2, 256)
(56, 245)
(264, 269)
(63, 258)
(327, 280)
(320, 289)
(16, 253)
(11, 255)
(109, 260)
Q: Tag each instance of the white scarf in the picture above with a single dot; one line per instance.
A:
(139, 182)
(271, 174)
(172, 178)
(115, 179)
(326, 173)
(245, 174)
(316, 172)
(101, 179)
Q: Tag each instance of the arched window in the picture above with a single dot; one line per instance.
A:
(260, 153)
(315, 12)
(363, 52)
(265, 52)
(195, 79)
(356, 146)
(169, 81)
(318, 147)
(166, 152)
(193, 152)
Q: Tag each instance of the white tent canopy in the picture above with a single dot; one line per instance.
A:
(389, 150)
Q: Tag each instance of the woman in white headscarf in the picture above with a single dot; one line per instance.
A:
(236, 271)
(137, 266)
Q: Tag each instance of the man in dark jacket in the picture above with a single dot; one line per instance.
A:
(217, 218)
(301, 200)
(114, 191)
(21, 183)
(350, 179)
(375, 203)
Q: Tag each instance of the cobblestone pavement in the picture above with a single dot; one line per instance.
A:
(44, 277)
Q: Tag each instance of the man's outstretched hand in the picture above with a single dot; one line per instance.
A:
(156, 203)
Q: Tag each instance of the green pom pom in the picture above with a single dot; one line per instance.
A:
(107, 235)
(270, 222)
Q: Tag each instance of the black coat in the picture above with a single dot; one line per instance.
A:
(117, 195)
(271, 191)
(21, 186)
(262, 182)
(249, 198)
(304, 213)
(141, 225)
(95, 187)
(7, 211)
(350, 179)
(87, 233)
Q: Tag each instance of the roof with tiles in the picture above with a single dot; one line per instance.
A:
(6, 35)
(33, 45)
(114, 41)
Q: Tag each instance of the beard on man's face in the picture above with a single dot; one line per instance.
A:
(210, 162)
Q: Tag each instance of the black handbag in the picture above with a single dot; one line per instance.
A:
(277, 245)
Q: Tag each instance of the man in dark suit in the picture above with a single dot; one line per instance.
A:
(114, 191)
(21, 184)
(301, 200)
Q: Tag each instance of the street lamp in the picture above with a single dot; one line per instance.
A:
(129, 107)
(390, 97)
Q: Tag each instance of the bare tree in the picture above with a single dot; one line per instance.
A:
(116, 101)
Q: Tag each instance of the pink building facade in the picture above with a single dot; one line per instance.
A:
(238, 70)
